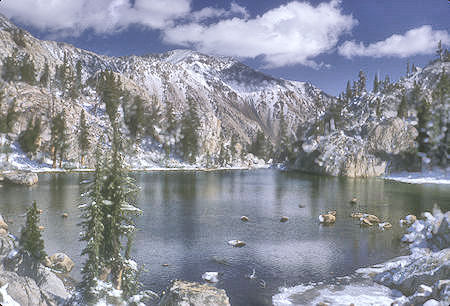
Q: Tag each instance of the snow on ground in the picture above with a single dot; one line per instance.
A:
(435, 176)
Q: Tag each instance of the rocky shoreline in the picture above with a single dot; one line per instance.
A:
(420, 278)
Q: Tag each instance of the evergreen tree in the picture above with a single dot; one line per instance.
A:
(170, 119)
(58, 138)
(92, 233)
(29, 139)
(439, 50)
(83, 137)
(27, 70)
(18, 37)
(137, 117)
(45, 76)
(415, 93)
(11, 117)
(11, 68)
(189, 132)
(402, 111)
(423, 117)
(375, 84)
(109, 90)
(348, 92)
(78, 76)
(378, 108)
(31, 243)
(413, 68)
(258, 146)
(442, 122)
(3, 126)
(407, 69)
(361, 82)
(283, 141)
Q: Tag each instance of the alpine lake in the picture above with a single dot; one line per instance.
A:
(188, 217)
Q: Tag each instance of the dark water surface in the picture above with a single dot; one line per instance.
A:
(189, 216)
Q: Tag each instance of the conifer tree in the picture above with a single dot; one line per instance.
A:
(375, 84)
(31, 243)
(11, 68)
(18, 37)
(11, 116)
(402, 108)
(92, 233)
(58, 138)
(423, 117)
(137, 117)
(361, 82)
(29, 139)
(109, 90)
(283, 141)
(407, 69)
(28, 71)
(439, 50)
(170, 118)
(258, 146)
(348, 92)
(189, 132)
(45, 76)
(3, 126)
(83, 137)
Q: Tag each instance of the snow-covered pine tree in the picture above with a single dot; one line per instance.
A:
(31, 244)
(189, 131)
(92, 233)
(83, 137)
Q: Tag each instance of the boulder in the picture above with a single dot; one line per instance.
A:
(357, 215)
(327, 219)
(408, 221)
(244, 218)
(372, 218)
(21, 178)
(7, 245)
(365, 222)
(236, 243)
(284, 219)
(193, 294)
(61, 262)
(211, 277)
(385, 225)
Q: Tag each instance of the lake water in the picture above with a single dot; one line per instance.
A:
(189, 217)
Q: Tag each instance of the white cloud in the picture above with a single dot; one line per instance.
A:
(103, 16)
(294, 33)
(418, 41)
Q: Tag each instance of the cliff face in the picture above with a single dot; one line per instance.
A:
(402, 126)
(232, 99)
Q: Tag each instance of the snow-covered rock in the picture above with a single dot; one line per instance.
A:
(191, 293)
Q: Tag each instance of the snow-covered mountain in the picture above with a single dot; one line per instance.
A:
(232, 98)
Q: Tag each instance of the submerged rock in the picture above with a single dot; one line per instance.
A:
(284, 219)
(193, 294)
(21, 178)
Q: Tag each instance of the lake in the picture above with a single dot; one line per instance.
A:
(189, 216)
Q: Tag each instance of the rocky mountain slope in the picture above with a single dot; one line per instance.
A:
(233, 100)
(398, 126)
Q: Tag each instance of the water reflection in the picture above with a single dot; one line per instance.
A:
(189, 216)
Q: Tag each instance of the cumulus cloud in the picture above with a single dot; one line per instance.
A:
(294, 33)
(103, 16)
(418, 41)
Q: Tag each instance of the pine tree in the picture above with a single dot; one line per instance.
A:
(423, 117)
(83, 137)
(92, 233)
(361, 82)
(402, 111)
(189, 132)
(11, 68)
(58, 138)
(375, 84)
(152, 119)
(18, 37)
(378, 108)
(442, 122)
(29, 139)
(11, 116)
(258, 146)
(3, 126)
(348, 92)
(109, 90)
(283, 140)
(45, 76)
(137, 117)
(27, 70)
(31, 243)
(439, 51)
(407, 69)
(170, 118)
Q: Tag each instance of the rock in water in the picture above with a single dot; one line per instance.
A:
(244, 218)
(372, 218)
(212, 277)
(385, 225)
(357, 215)
(365, 222)
(61, 262)
(408, 221)
(21, 178)
(327, 219)
(284, 219)
(236, 243)
(194, 294)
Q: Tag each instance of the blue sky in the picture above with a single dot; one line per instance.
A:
(323, 42)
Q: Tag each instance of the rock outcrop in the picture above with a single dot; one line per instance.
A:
(21, 178)
(182, 293)
(61, 262)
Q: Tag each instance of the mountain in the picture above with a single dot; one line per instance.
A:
(398, 126)
(234, 101)
(243, 118)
